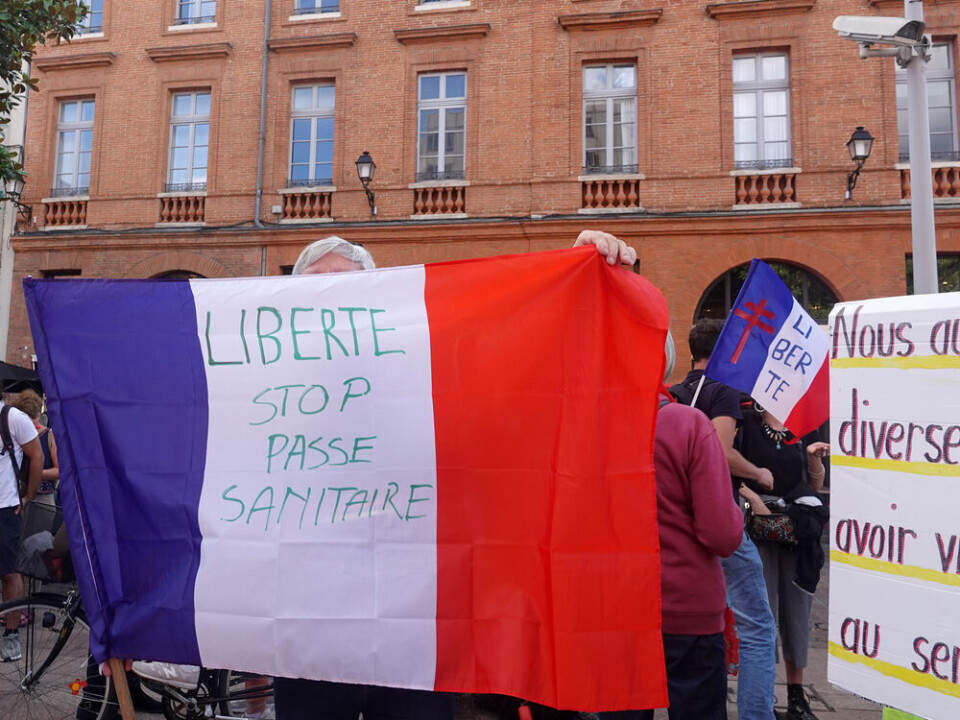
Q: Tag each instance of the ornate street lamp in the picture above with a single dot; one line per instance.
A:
(365, 168)
(13, 191)
(860, 144)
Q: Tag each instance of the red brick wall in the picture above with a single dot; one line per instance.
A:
(524, 140)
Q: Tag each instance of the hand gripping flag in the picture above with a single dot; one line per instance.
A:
(772, 349)
(430, 477)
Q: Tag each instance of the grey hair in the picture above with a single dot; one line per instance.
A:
(670, 354)
(333, 244)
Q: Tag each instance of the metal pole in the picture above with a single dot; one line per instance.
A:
(921, 173)
(262, 135)
(8, 222)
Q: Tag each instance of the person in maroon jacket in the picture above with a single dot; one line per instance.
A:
(698, 523)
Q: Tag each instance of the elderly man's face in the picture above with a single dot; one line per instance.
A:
(331, 263)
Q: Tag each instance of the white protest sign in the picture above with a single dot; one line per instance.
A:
(895, 492)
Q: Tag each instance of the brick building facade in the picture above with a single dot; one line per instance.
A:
(704, 133)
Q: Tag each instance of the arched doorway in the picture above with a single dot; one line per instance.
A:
(177, 275)
(814, 295)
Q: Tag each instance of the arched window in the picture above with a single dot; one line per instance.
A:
(178, 275)
(813, 294)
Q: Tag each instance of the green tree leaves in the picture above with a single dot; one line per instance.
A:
(24, 24)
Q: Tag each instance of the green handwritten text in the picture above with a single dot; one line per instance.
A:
(300, 399)
(296, 452)
(300, 333)
(294, 507)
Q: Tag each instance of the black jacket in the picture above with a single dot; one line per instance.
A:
(809, 522)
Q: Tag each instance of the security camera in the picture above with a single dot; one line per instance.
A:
(867, 30)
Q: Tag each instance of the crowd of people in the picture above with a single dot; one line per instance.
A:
(716, 455)
(761, 593)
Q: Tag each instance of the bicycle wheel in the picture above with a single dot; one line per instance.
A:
(55, 677)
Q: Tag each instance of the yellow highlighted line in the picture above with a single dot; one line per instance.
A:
(889, 568)
(917, 468)
(921, 362)
(907, 675)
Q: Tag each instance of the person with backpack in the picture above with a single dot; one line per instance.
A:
(32, 404)
(22, 466)
(746, 588)
(698, 524)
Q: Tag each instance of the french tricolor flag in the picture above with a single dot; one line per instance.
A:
(432, 477)
(773, 350)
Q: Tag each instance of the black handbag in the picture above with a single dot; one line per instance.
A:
(776, 527)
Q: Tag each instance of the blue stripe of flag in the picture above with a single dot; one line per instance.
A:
(761, 309)
(122, 456)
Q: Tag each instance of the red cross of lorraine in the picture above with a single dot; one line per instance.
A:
(754, 319)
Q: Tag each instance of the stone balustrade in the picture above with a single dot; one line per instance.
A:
(307, 205)
(765, 189)
(64, 213)
(440, 200)
(610, 193)
(182, 208)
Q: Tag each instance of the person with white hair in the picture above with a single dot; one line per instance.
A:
(698, 523)
(321, 700)
(301, 699)
(309, 262)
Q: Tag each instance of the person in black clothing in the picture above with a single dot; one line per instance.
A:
(797, 468)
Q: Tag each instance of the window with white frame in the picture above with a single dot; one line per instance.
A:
(74, 147)
(441, 126)
(190, 12)
(610, 119)
(761, 111)
(311, 135)
(310, 7)
(189, 142)
(93, 21)
(941, 104)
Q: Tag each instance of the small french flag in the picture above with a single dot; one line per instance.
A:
(773, 350)
(435, 477)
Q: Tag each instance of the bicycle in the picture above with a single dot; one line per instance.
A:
(55, 678)
(219, 695)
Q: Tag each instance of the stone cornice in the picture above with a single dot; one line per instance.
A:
(610, 20)
(757, 8)
(329, 41)
(70, 62)
(175, 53)
(444, 32)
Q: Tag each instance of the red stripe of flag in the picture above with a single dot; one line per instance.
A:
(813, 407)
(545, 375)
